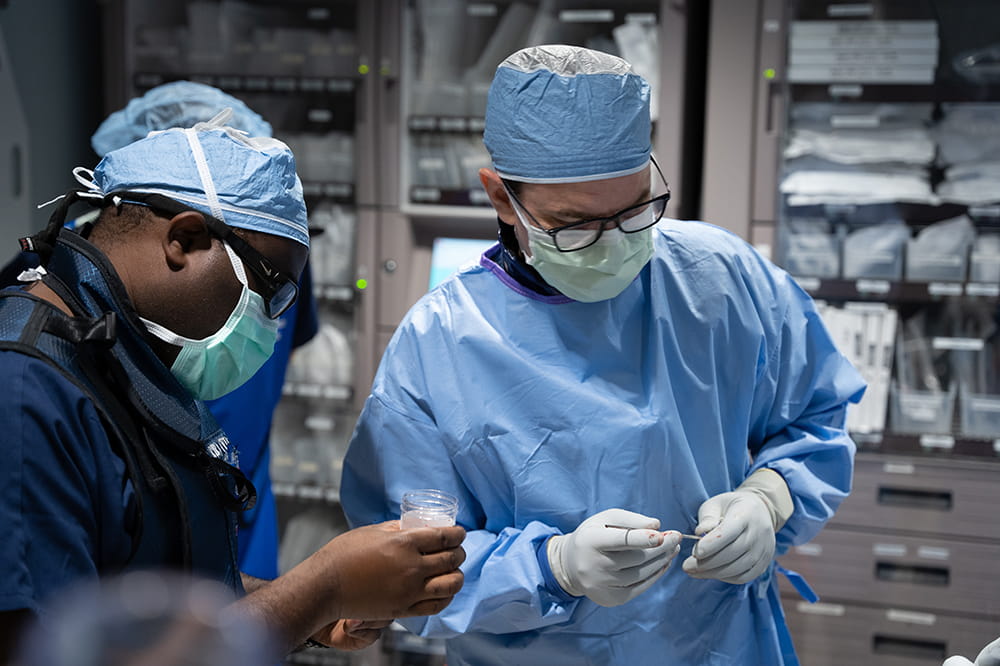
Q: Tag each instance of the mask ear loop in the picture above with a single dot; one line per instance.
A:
(237, 263)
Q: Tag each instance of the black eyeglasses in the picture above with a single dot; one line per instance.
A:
(278, 289)
(578, 235)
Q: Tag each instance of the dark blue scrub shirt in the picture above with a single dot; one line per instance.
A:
(66, 510)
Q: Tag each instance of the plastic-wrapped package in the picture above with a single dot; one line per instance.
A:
(940, 251)
(876, 251)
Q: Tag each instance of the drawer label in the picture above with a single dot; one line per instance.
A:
(910, 617)
(889, 549)
(832, 610)
(933, 553)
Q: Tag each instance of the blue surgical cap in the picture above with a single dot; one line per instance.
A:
(560, 113)
(247, 182)
(175, 104)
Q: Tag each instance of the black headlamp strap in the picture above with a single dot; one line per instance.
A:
(43, 243)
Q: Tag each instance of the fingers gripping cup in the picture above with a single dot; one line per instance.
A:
(428, 508)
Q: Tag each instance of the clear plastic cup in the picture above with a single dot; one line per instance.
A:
(427, 508)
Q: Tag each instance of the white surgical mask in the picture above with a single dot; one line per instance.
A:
(597, 272)
(212, 367)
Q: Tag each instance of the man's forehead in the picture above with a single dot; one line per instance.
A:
(589, 199)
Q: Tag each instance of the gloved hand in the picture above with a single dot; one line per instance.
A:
(739, 528)
(990, 656)
(610, 565)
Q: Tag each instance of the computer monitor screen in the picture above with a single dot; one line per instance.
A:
(450, 254)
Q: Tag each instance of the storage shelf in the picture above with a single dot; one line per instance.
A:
(893, 292)
(250, 83)
(941, 91)
(446, 124)
(928, 445)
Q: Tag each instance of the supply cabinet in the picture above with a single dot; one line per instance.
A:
(382, 102)
(864, 159)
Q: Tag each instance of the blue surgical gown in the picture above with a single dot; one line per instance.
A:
(539, 411)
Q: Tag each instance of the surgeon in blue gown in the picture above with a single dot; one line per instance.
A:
(599, 382)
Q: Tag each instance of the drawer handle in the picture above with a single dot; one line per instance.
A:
(904, 573)
(939, 500)
(908, 647)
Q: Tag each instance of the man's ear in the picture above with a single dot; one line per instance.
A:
(186, 233)
(498, 195)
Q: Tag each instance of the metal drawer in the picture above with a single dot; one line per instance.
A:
(941, 497)
(834, 634)
(917, 572)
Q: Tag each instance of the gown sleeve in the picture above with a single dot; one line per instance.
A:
(799, 408)
(506, 589)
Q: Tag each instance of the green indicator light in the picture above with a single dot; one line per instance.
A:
(362, 69)
(769, 73)
(361, 283)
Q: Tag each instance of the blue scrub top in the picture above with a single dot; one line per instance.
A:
(538, 411)
(245, 415)
(66, 511)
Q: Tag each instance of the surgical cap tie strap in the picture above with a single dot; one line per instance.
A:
(206, 177)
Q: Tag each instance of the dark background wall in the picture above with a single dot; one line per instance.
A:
(54, 57)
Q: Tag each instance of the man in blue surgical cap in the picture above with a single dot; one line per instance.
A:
(602, 381)
(112, 461)
(246, 413)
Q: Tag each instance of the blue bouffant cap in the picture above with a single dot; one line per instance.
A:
(560, 113)
(247, 182)
(174, 104)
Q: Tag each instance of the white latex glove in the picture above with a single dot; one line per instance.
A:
(739, 528)
(609, 565)
(990, 656)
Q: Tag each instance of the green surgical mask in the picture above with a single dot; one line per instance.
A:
(214, 366)
(595, 273)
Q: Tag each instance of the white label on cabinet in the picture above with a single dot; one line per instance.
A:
(845, 90)
(937, 441)
(811, 549)
(944, 288)
(645, 18)
(833, 610)
(426, 194)
(854, 9)
(984, 211)
(872, 286)
(431, 163)
(958, 344)
(982, 289)
(889, 549)
(866, 121)
(481, 9)
(898, 468)
(587, 15)
(910, 617)
(319, 422)
(933, 553)
(320, 115)
(862, 306)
